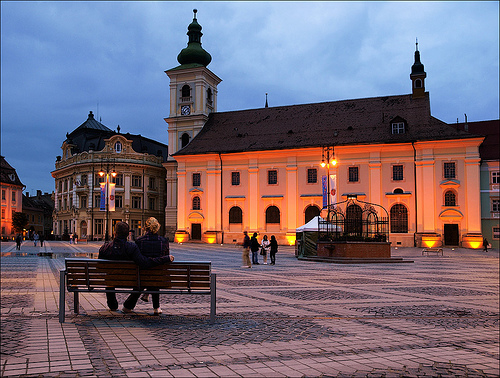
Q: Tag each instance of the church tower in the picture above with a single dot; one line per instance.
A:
(417, 76)
(193, 96)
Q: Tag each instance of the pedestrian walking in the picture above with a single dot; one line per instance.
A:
(255, 247)
(265, 248)
(246, 251)
(19, 239)
(42, 238)
(35, 238)
(274, 249)
(485, 245)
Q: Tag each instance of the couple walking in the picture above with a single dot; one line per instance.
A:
(253, 245)
(147, 251)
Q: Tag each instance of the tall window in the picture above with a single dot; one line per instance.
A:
(495, 177)
(136, 202)
(196, 203)
(98, 226)
(118, 147)
(449, 170)
(137, 181)
(119, 179)
(450, 198)
(98, 179)
(118, 202)
(13, 196)
(272, 214)
(3, 213)
(196, 179)
(312, 176)
(152, 203)
(83, 202)
(235, 178)
(495, 205)
(152, 183)
(399, 219)
(398, 128)
(3, 194)
(272, 177)
(186, 92)
(235, 215)
(397, 172)
(353, 174)
(84, 179)
(97, 200)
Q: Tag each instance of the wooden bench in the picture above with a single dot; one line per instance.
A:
(437, 251)
(101, 276)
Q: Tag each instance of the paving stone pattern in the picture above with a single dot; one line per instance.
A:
(435, 317)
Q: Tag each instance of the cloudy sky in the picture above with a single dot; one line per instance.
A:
(59, 60)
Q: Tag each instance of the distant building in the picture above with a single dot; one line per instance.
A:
(12, 201)
(259, 170)
(139, 181)
(39, 210)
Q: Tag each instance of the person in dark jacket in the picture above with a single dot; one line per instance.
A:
(120, 249)
(274, 248)
(246, 251)
(254, 247)
(151, 245)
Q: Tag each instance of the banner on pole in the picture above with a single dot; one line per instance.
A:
(333, 190)
(111, 203)
(102, 204)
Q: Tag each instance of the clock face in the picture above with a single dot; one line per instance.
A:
(185, 110)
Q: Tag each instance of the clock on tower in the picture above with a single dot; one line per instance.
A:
(185, 110)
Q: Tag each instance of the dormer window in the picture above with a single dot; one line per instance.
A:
(398, 127)
(118, 147)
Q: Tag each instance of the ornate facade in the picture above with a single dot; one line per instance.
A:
(131, 162)
(12, 197)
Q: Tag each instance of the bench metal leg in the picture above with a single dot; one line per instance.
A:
(62, 296)
(76, 308)
(213, 297)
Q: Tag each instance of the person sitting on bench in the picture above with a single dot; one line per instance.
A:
(121, 249)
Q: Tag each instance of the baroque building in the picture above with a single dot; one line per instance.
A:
(12, 200)
(93, 155)
(259, 170)
(39, 209)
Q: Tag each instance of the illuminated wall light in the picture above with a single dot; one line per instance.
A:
(291, 239)
(475, 244)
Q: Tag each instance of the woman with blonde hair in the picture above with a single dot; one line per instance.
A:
(151, 245)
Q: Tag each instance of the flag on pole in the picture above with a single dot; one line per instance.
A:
(333, 190)
(102, 204)
(111, 203)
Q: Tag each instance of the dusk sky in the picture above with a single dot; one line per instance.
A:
(60, 60)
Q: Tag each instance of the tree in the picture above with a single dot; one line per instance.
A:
(19, 221)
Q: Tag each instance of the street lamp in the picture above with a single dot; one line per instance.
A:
(108, 195)
(327, 160)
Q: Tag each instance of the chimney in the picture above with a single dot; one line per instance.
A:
(466, 125)
(38, 193)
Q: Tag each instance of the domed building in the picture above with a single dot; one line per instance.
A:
(103, 177)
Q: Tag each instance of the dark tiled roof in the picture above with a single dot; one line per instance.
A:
(43, 203)
(490, 148)
(359, 121)
(91, 134)
(8, 175)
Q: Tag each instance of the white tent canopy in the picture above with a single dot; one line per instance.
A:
(313, 225)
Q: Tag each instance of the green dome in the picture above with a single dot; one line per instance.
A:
(194, 53)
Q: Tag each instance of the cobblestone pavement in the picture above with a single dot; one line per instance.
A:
(438, 316)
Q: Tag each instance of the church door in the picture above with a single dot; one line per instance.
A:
(451, 236)
(196, 231)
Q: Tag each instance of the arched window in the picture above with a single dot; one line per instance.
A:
(399, 219)
(354, 220)
(184, 140)
(196, 203)
(209, 95)
(272, 215)
(450, 199)
(418, 83)
(235, 215)
(186, 91)
(398, 191)
(311, 212)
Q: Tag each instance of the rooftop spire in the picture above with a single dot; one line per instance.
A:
(266, 106)
(194, 53)
(418, 67)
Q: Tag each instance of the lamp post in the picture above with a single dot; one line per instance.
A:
(106, 171)
(327, 160)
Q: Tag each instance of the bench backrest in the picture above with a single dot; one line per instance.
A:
(99, 273)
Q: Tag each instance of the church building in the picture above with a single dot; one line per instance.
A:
(260, 170)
